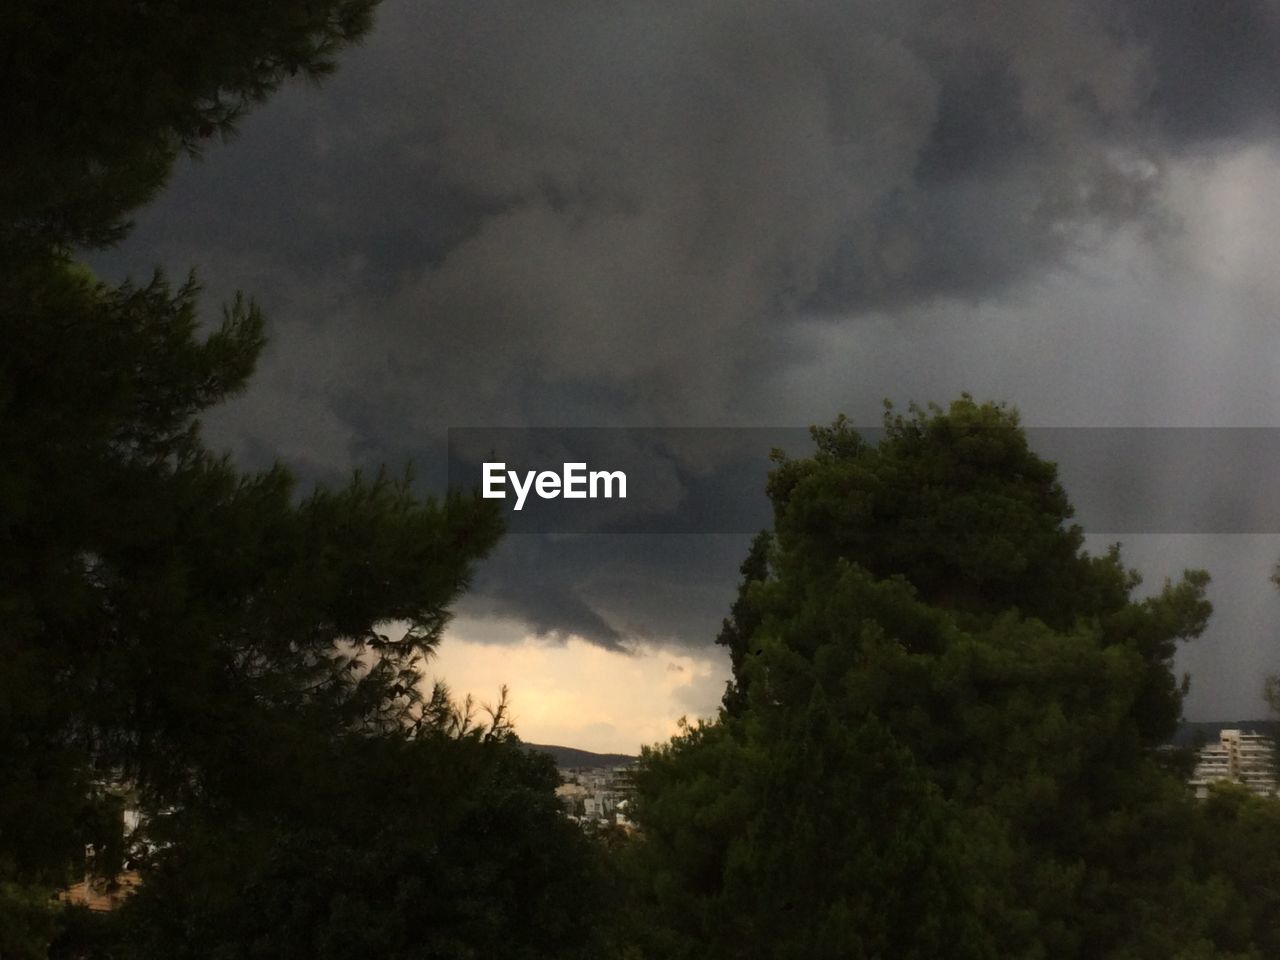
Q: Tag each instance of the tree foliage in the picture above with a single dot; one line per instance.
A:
(429, 846)
(243, 660)
(941, 735)
(102, 96)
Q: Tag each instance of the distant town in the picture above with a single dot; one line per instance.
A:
(597, 789)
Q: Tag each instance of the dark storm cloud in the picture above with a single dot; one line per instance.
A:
(616, 591)
(559, 196)
(1215, 67)
(541, 584)
(595, 213)
(586, 201)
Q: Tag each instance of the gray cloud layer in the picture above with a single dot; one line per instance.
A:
(663, 213)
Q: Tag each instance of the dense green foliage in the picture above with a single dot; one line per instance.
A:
(429, 847)
(242, 662)
(939, 740)
(101, 96)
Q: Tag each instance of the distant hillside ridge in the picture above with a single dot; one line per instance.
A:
(568, 757)
(1190, 734)
(1207, 731)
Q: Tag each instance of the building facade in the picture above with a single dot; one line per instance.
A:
(1239, 757)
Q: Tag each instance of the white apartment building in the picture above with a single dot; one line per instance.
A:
(1238, 757)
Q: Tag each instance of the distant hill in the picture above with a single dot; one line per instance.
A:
(1207, 731)
(1188, 735)
(566, 757)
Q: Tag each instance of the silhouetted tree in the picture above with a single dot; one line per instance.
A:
(940, 738)
(247, 661)
(101, 97)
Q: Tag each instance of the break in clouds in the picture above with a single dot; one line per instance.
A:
(668, 214)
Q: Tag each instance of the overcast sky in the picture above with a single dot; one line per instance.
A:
(597, 213)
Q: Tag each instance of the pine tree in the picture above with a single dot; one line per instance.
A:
(102, 96)
(246, 660)
(940, 737)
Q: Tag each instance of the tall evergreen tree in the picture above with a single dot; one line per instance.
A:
(247, 661)
(199, 634)
(940, 737)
